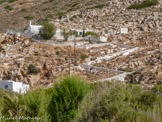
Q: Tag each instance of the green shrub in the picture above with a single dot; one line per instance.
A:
(32, 104)
(58, 53)
(75, 4)
(47, 31)
(45, 9)
(60, 15)
(21, 3)
(71, 9)
(65, 98)
(118, 102)
(28, 17)
(11, 1)
(90, 34)
(8, 8)
(83, 57)
(35, 104)
(156, 73)
(33, 69)
(157, 89)
(147, 99)
(66, 33)
(71, 100)
(10, 105)
(97, 6)
(1, 2)
(42, 21)
(37, 54)
(45, 2)
(144, 4)
(126, 69)
(23, 10)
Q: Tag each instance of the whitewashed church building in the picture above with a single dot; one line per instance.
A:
(17, 87)
(34, 28)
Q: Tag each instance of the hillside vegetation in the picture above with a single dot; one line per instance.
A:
(144, 4)
(72, 99)
(15, 14)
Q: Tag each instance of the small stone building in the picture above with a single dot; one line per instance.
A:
(17, 87)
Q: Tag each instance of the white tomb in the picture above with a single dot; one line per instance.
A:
(58, 35)
(17, 87)
(123, 31)
(103, 39)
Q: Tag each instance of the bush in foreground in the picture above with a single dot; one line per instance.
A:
(65, 99)
(120, 102)
(71, 100)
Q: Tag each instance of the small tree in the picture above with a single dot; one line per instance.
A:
(89, 33)
(33, 69)
(35, 104)
(83, 57)
(47, 31)
(65, 98)
(92, 35)
(67, 33)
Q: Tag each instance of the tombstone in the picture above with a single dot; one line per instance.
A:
(93, 71)
(123, 31)
(103, 39)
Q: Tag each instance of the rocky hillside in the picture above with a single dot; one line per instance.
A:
(101, 15)
(17, 54)
(38, 64)
(16, 14)
(114, 15)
